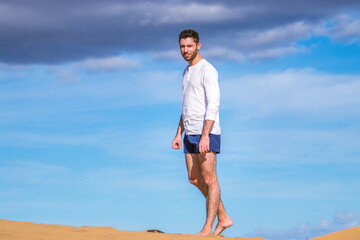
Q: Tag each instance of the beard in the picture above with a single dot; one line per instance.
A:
(192, 57)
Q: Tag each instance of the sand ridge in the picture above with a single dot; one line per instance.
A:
(13, 230)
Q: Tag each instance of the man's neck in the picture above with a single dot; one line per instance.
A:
(197, 59)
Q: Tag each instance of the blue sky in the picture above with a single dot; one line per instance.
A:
(90, 99)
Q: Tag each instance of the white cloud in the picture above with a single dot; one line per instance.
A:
(71, 72)
(265, 43)
(170, 54)
(199, 12)
(344, 27)
(14, 67)
(148, 13)
(253, 45)
(293, 90)
(223, 53)
(341, 221)
(275, 52)
(65, 74)
(107, 64)
(275, 41)
(276, 36)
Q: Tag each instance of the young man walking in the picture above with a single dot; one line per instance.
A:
(200, 121)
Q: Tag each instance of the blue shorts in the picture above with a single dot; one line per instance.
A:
(191, 143)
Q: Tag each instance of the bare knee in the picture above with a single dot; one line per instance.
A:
(194, 181)
(211, 181)
(197, 180)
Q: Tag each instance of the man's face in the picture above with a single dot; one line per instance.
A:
(189, 48)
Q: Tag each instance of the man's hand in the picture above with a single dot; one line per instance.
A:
(176, 144)
(204, 144)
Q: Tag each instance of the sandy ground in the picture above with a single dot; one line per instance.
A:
(12, 230)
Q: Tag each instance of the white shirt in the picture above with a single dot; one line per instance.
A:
(201, 98)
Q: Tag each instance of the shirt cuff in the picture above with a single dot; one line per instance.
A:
(210, 115)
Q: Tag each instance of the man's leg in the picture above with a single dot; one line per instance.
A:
(208, 171)
(194, 163)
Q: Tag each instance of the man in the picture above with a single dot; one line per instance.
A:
(200, 121)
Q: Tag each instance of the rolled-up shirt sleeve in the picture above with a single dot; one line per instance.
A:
(212, 93)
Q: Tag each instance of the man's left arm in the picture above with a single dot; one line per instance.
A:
(204, 144)
(212, 98)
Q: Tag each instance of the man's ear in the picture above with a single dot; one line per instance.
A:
(198, 45)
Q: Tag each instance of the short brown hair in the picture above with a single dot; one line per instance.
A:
(189, 33)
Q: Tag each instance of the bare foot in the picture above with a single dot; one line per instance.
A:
(204, 232)
(221, 226)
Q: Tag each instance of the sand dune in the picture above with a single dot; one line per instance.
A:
(12, 230)
(348, 234)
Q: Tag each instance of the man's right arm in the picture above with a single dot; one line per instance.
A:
(176, 144)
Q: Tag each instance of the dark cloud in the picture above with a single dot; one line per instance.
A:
(42, 31)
